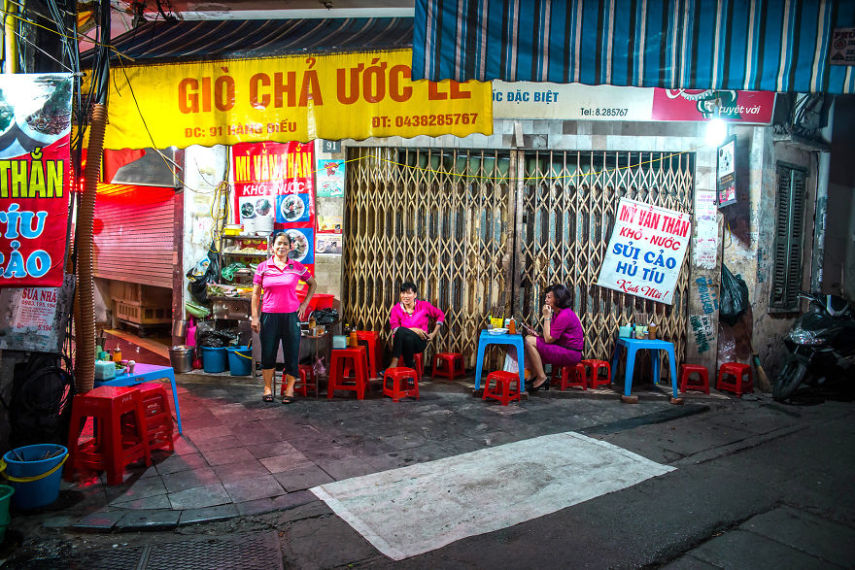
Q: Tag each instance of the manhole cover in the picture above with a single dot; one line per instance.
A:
(240, 552)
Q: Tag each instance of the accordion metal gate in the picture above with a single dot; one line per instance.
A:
(480, 231)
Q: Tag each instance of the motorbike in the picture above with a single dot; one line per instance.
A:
(821, 345)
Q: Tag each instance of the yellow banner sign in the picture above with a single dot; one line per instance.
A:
(295, 98)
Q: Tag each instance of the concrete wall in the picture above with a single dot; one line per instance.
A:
(839, 260)
(204, 170)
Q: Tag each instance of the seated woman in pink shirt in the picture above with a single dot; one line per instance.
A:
(410, 320)
(562, 341)
(278, 318)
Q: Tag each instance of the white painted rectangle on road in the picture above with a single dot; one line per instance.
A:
(408, 511)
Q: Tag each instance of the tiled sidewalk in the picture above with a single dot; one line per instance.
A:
(241, 456)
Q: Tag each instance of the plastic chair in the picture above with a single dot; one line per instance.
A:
(731, 378)
(108, 451)
(448, 365)
(369, 339)
(401, 382)
(356, 359)
(570, 377)
(702, 384)
(158, 417)
(502, 386)
(592, 369)
(304, 380)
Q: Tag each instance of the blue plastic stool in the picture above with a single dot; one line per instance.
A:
(632, 346)
(513, 339)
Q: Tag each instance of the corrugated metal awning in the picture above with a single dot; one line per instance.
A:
(229, 39)
(763, 45)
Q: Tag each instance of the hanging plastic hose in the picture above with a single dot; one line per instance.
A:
(85, 337)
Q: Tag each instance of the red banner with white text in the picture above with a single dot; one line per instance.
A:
(35, 178)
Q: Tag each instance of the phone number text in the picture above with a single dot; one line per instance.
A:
(604, 111)
(433, 120)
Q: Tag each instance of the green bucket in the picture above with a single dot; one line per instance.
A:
(5, 497)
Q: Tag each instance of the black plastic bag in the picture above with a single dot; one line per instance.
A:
(198, 285)
(325, 316)
(217, 339)
(734, 297)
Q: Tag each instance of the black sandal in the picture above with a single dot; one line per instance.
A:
(267, 398)
(287, 400)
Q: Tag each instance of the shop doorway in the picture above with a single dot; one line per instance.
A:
(479, 230)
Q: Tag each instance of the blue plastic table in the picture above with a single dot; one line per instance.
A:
(512, 339)
(148, 373)
(632, 346)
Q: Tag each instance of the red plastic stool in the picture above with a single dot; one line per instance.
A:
(158, 416)
(448, 365)
(702, 384)
(502, 386)
(420, 370)
(369, 340)
(400, 382)
(570, 376)
(738, 385)
(306, 379)
(108, 451)
(355, 358)
(592, 372)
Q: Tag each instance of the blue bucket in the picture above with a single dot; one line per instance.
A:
(240, 360)
(214, 359)
(35, 471)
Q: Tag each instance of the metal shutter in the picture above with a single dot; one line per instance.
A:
(135, 244)
(789, 230)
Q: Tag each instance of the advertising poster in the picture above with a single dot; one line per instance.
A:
(753, 107)
(726, 173)
(289, 98)
(330, 178)
(842, 51)
(293, 208)
(646, 251)
(35, 178)
(265, 175)
(329, 243)
(574, 101)
(304, 246)
(35, 318)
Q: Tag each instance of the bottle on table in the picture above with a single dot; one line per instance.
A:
(312, 325)
(117, 354)
(512, 326)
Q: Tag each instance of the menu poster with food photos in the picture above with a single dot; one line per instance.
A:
(36, 181)
(273, 185)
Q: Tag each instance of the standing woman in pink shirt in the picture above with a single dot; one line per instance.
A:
(277, 317)
(410, 320)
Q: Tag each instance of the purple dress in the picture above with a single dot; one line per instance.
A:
(569, 340)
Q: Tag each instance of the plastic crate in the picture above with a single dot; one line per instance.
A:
(136, 314)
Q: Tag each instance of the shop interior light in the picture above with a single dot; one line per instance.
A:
(716, 131)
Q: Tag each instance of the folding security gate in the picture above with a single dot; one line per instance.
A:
(484, 230)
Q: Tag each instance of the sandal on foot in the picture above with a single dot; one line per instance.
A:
(287, 400)
(267, 398)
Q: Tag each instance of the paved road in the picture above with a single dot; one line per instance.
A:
(757, 485)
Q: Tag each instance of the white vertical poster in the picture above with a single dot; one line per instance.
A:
(646, 251)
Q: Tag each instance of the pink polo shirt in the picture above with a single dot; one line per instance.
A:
(280, 285)
(422, 313)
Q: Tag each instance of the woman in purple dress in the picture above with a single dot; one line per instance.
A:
(562, 341)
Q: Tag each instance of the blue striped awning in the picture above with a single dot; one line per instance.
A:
(229, 39)
(762, 45)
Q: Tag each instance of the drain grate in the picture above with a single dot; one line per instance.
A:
(256, 551)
